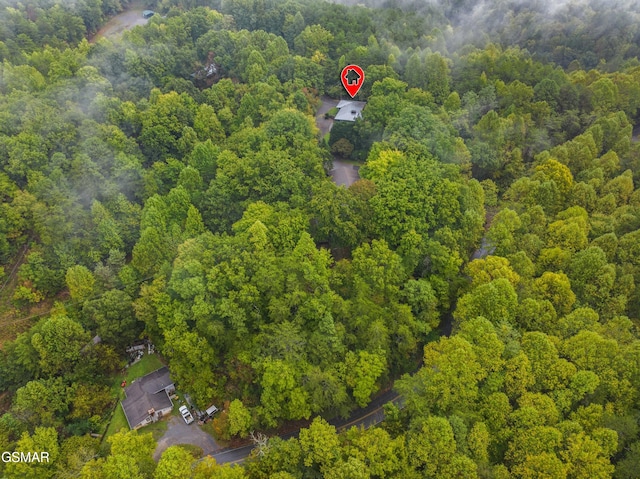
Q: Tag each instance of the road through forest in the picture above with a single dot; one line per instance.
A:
(374, 413)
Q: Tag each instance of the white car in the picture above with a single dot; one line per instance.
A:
(186, 415)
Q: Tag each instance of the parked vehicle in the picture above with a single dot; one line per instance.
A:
(148, 13)
(210, 411)
(207, 414)
(186, 415)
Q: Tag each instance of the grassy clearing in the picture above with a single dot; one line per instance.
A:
(118, 421)
(157, 429)
(148, 364)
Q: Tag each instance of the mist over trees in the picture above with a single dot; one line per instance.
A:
(173, 185)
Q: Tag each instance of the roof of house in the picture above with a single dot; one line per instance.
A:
(342, 103)
(146, 393)
(349, 110)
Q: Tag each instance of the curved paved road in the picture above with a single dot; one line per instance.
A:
(370, 416)
(233, 456)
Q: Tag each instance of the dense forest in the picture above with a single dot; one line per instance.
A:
(172, 184)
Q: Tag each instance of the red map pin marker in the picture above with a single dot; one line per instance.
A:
(352, 78)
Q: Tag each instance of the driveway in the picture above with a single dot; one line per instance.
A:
(123, 21)
(344, 174)
(180, 433)
(325, 124)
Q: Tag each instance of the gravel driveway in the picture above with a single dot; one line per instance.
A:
(344, 174)
(180, 433)
(123, 21)
(325, 124)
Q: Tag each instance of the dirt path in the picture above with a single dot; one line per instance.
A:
(122, 22)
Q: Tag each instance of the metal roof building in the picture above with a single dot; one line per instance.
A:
(349, 110)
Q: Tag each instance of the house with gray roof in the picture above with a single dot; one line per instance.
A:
(349, 110)
(147, 399)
